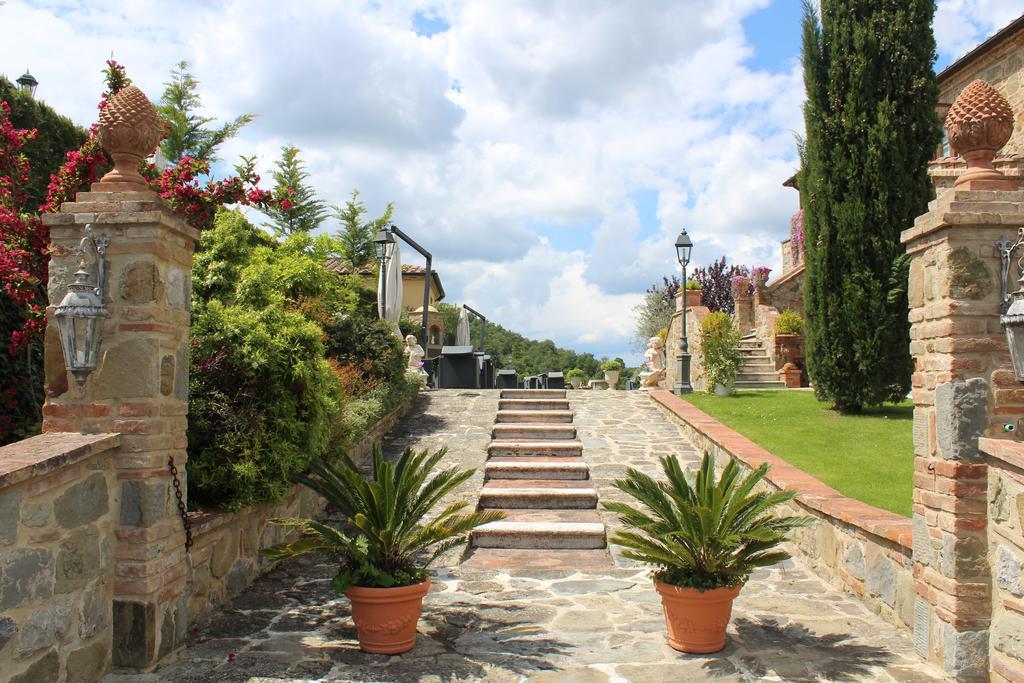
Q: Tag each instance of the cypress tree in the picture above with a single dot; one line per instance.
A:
(871, 130)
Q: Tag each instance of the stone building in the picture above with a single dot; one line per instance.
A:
(412, 282)
(1000, 62)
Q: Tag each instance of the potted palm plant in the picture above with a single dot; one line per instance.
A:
(704, 536)
(383, 559)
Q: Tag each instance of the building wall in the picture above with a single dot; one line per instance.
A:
(412, 289)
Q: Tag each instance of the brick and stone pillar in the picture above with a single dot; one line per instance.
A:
(139, 388)
(962, 390)
(744, 306)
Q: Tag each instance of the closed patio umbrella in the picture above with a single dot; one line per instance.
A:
(462, 332)
(390, 280)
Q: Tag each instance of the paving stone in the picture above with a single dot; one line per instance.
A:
(8, 629)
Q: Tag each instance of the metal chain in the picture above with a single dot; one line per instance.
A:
(181, 505)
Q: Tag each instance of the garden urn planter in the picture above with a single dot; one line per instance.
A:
(612, 377)
(696, 621)
(575, 382)
(788, 347)
(386, 618)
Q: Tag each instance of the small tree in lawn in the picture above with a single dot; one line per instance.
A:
(188, 132)
(871, 130)
(355, 238)
(716, 284)
(300, 209)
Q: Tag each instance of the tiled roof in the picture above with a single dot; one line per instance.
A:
(338, 267)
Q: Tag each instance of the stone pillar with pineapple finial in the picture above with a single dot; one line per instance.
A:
(962, 389)
(140, 385)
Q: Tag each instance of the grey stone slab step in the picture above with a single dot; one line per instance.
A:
(536, 470)
(533, 404)
(534, 447)
(539, 483)
(592, 516)
(532, 393)
(745, 376)
(514, 432)
(760, 385)
(545, 498)
(546, 416)
(539, 535)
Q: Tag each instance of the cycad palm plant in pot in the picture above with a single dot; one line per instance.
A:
(383, 561)
(704, 535)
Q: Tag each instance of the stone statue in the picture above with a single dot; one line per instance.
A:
(414, 355)
(654, 359)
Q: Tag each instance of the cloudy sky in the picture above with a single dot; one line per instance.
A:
(547, 152)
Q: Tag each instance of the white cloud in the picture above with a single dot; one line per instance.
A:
(961, 24)
(497, 138)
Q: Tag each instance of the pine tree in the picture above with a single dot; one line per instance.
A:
(304, 212)
(189, 133)
(871, 130)
(355, 238)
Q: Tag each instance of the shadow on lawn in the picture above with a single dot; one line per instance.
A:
(793, 652)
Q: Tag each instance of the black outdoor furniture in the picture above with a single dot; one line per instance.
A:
(488, 375)
(457, 368)
(506, 379)
(556, 380)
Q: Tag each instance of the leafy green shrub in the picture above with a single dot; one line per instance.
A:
(612, 365)
(789, 322)
(576, 372)
(352, 339)
(720, 347)
(702, 532)
(358, 415)
(692, 284)
(262, 400)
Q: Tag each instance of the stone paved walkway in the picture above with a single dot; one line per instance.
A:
(564, 624)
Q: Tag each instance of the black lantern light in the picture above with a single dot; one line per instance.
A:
(384, 245)
(27, 82)
(81, 312)
(1013, 304)
(684, 246)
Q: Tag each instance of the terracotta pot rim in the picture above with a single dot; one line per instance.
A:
(695, 593)
(386, 594)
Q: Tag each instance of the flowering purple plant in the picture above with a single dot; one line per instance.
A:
(796, 237)
(759, 275)
(741, 286)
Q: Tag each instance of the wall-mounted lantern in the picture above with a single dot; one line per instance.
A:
(81, 313)
(28, 83)
(1013, 304)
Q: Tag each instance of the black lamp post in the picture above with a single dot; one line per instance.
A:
(683, 248)
(384, 247)
(27, 82)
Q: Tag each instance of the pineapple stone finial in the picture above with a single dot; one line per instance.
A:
(129, 129)
(979, 123)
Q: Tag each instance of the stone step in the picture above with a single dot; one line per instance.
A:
(532, 393)
(537, 497)
(539, 483)
(539, 535)
(536, 470)
(528, 562)
(532, 447)
(533, 404)
(745, 376)
(515, 432)
(546, 416)
(590, 516)
(760, 385)
(759, 366)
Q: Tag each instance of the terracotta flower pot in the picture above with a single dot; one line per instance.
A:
(696, 621)
(386, 618)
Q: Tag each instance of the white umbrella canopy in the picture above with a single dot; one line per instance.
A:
(462, 332)
(390, 305)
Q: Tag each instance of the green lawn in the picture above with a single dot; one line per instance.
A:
(869, 457)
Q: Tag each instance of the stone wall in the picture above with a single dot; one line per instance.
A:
(694, 316)
(1006, 553)
(58, 511)
(855, 546)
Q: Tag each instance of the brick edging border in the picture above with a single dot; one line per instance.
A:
(810, 492)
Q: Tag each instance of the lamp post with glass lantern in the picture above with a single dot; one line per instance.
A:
(384, 246)
(683, 248)
(28, 83)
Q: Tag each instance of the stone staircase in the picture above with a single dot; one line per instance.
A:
(758, 371)
(536, 474)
